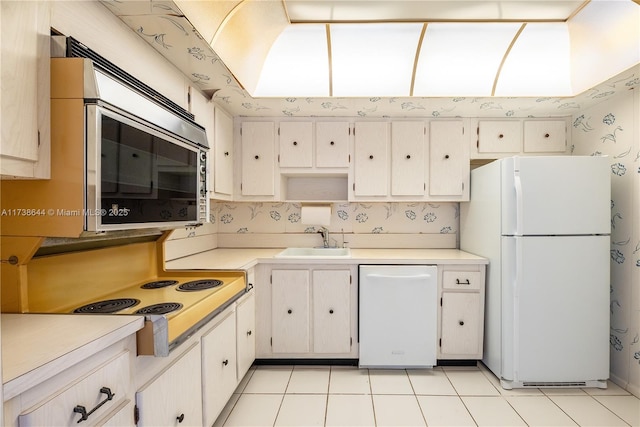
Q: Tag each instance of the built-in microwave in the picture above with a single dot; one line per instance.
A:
(138, 175)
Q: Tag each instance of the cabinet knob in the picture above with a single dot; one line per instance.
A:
(225, 362)
(408, 156)
(332, 143)
(371, 157)
(501, 136)
(226, 153)
(248, 333)
(546, 135)
(180, 418)
(446, 156)
(289, 311)
(257, 157)
(461, 323)
(295, 142)
(331, 311)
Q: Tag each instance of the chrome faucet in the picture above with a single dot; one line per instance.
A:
(325, 236)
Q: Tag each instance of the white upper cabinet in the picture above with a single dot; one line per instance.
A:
(499, 136)
(222, 154)
(332, 144)
(407, 159)
(510, 137)
(371, 159)
(448, 160)
(258, 159)
(25, 90)
(548, 136)
(296, 144)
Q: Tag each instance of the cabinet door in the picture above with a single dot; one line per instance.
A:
(88, 392)
(499, 136)
(296, 144)
(290, 311)
(25, 89)
(448, 159)
(332, 144)
(331, 311)
(407, 159)
(222, 153)
(371, 161)
(258, 168)
(461, 323)
(545, 136)
(173, 398)
(219, 378)
(121, 416)
(246, 338)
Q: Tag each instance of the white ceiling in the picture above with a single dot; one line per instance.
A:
(184, 38)
(327, 11)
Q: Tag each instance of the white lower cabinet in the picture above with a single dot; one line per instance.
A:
(461, 312)
(90, 400)
(173, 397)
(306, 311)
(219, 377)
(245, 333)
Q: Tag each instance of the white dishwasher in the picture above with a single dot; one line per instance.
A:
(398, 316)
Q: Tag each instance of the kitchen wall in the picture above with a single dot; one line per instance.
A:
(374, 218)
(612, 128)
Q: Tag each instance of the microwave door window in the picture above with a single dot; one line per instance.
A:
(135, 165)
(109, 155)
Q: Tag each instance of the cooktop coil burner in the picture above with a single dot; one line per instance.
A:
(108, 306)
(200, 285)
(162, 308)
(159, 284)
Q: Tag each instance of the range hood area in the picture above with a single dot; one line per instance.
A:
(467, 58)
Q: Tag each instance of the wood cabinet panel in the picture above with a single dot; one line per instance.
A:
(448, 164)
(222, 153)
(296, 144)
(371, 162)
(460, 323)
(542, 136)
(331, 311)
(407, 159)
(258, 154)
(290, 311)
(332, 144)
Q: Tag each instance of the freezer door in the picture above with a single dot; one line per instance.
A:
(560, 195)
(555, 306)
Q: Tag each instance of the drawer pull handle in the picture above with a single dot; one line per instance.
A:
(180, 418)
(458, 282)
(84, 415)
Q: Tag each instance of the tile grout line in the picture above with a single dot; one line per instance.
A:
(284, 393)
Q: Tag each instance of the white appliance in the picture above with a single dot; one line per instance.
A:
(398, 316)
(544, 224)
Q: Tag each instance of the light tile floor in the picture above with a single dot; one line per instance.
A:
(303, 396)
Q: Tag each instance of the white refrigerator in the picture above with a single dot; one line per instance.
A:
(544, 223)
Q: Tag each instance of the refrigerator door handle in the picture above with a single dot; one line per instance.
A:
(519, 209)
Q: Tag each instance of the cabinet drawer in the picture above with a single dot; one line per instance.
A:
(88, 392)
(461, 280)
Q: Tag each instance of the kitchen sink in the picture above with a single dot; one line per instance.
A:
(319, 252)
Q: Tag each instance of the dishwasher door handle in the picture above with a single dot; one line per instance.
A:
(397, 276)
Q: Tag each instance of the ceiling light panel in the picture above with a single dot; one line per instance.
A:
(461, 59)
(538, 63)
(373, 59)
(297, 64)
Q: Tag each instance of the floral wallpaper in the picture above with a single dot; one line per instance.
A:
(611, 129)
(365, 218)
(166, 29)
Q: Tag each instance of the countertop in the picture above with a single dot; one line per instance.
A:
(37, 346)
(243, 259)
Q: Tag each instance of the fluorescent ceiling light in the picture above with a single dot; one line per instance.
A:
(462, 59)
(297, 64)
(373, 59)
(538, 64)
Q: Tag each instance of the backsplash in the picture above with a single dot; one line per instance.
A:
(359, 218)
(611, 129)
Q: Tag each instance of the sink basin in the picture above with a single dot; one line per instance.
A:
(315, 253)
